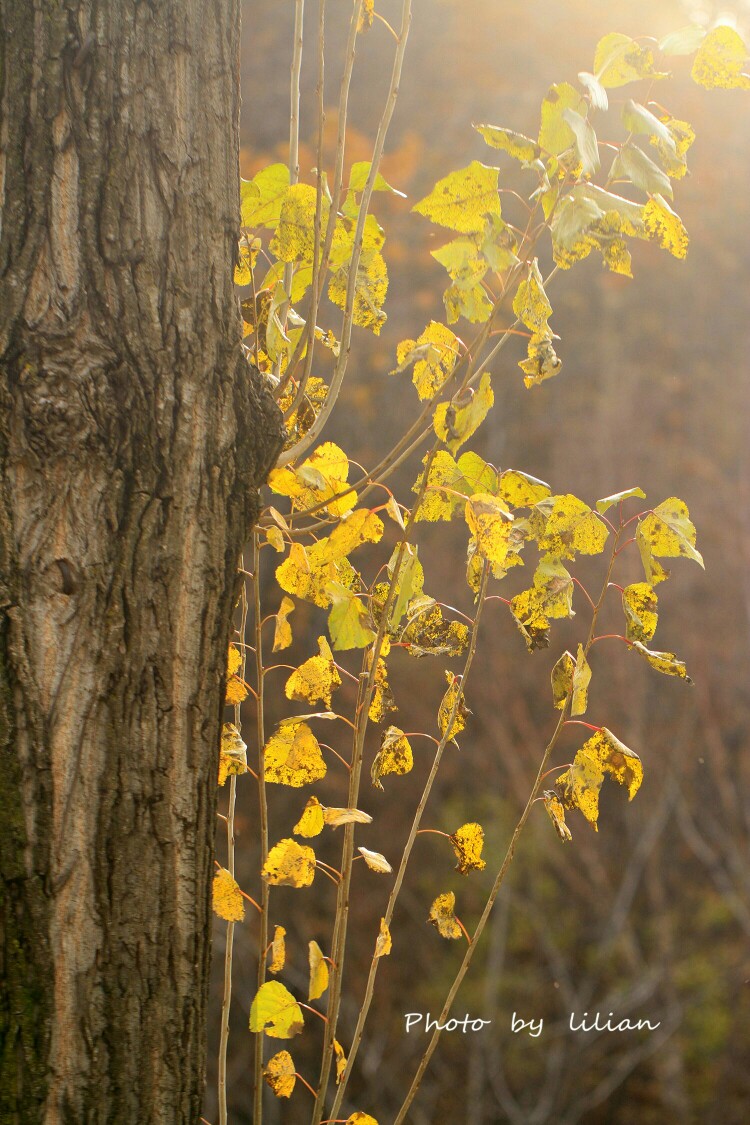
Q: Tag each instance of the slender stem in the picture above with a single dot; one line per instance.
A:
(262, 822)
(414, 830)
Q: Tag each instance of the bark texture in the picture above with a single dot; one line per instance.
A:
(133, 438)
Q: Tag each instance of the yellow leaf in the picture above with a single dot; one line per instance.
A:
(515, 144)
(282, 636)
(449, 729)
(604, 505)
(455, 421)
(354, 529)
(348, 621)
(318, 971)
(519, 490)
(311, 822)
(666, 532)
(442, 916)
(295, 234)
(227, 900)
(573, 528)
(383, 942)
(665, 662)
(542, 362)
(461, 200)
(382, 698)
(530, 303)
(236, 690)
(233, 753)
(665, 225)
(262, 197)
(289, 864)
(375, 861)
(292, 756)
(639, 602)
(322, 477)
(468, 299)
(603, 753)
(562, 679)
(278, 950)
(720, 59)
(434, 354)
(364, 23)
(556, 813)
(316, 679)
(673, 159)
(234, 660)
(336, 817)
(395, 756)
(369, 292)
(492, 526)
(307, 573)
(280, 1074)
(581, 680)
(360, 1118)
(468, 841)
(428, 633)
(338, 1051)
(550, 596)
(618, 59)
(555, 135)
(275, 1011)
(276, 539)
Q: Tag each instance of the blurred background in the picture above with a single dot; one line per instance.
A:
(649, 918)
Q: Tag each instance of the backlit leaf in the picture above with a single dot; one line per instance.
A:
(462, 199)
(360, 1118)
(311, 822)
(227, 899)
(292, 756)
(562, 679)
(232, 754)
(456, 421)
(586, 145)
(665, 662)
(318, 971)
(383, 942)
(530, 303)
(596, 92)
(618, 59)
(667, 532)
(720, 59)
(289, 864)
(515, 144)
(684, 41)
(467, 476)
(434, 354)
(449, 729)
(604, 505)
(639, 120)
(519, 490)
(467, 299)
(354, 529)
(295, 233)
(375, 861)
(492, 526)
(602, 754)
(322, 477)
(369, 292)
(581, 681)
(348, 621)
(358, 178)
(275, 1011)
(632, 163)
(428, 633)
(639, 603)
(556, 813)
(280, 1074)
(542, 362)
(550, 597)
(395, 756)
(316, 679)
(555, 134)
(382, 697)
(336, 817)
(468, 841)
(282, 636)
(442, 916)
(665, 225)
(262, 197)
(672, 155)
(573, 528)
(278, 950)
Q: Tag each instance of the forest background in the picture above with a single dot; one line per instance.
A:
(651, 916)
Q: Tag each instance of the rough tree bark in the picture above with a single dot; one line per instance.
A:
(132, 441)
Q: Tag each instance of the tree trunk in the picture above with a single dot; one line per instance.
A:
(133, 437)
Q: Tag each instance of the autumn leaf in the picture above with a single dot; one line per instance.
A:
(573, 528)
(292, 756)
(367, 11)
(227, 899)
(562, 680)
(519, 490)
(434, 354)
(720, 59)
(289, 864)
(530, 303)
(449, 729)
(338, 1051)
(607, 502)
(496, 537)
(602, 754)
(236, 689)
(639, 602)
(336, 817)
(395, 756)
(383, 942)
(426, 631)
(442, 916)
(555, 134)
(382, 698)
(275, 1011)
(262, 197)
(280, 1074)
(618, 59)
(456, 421)
(665, 662)
(515, 144)
(375, 861)
(311, 822)
(348, 621)
(322, 477)
(581, 680)
(666, 532)
(282, 637)
(556, 813)
(665, 225)
(360, 1118)
(233, 753)
(462, 199)
(468, 841)
(316, 679)
(318, 971)
(278, 950)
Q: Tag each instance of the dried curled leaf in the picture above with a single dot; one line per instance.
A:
(382, 697)
(280, 1074)
(289, 864)
(336, 817)
(275, 1011)
(318, 971)
(227, 899)
(562, 680)
(278, 950)
(233, 753)
(581, 681)
(665, 662)
(603, 753)
(442, 916)
(452, 701)
(639, 602)
(311, 822)
(375, 861)
(292, 756)
(395, 756)
(468, 841)
(282, 637)
(316, 679)
(383, 942)
(338, 1051)
(556, 813)
(427, 633)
